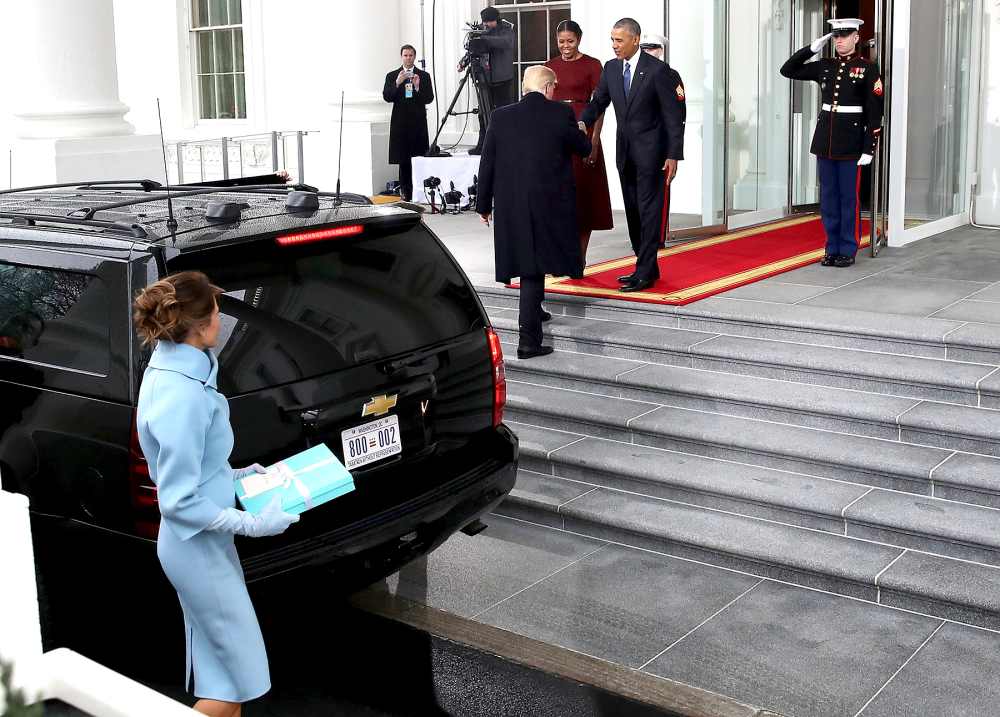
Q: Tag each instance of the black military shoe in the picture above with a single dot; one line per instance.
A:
(843, 261)
(527, 352)
(829, 260)
(627, 279)
(546, 316)
(636, 285)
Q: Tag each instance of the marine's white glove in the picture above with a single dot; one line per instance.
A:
(818, 43)
(272, 521)
(248, 471)
(864, 160)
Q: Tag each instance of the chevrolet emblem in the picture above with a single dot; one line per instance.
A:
(379, 405)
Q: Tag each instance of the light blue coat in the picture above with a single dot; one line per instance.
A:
(184, 432)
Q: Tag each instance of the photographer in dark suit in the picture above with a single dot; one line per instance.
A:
(409, 90)
(526, 172)
(648, 96)
(498, 40)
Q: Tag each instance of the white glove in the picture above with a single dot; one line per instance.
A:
(864, 160)
(818, 43)
(248, 471)
(272, 521)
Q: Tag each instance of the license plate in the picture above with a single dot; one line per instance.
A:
(371, 442)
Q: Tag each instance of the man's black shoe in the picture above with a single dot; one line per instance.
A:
(527, 352)
(546, 316)
(476, 150)
(627, 279)
(843, 261)
(636, 285)
(829, 260)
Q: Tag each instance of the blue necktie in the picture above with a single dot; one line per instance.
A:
(628, 78)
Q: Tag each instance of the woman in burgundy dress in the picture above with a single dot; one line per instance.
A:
(578, 75)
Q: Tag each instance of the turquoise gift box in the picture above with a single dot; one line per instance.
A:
(303, 481)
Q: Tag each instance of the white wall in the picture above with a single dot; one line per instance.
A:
(988, 193)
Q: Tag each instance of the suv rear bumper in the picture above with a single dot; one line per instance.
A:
(363, 552)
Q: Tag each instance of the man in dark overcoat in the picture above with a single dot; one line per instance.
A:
(526, 183)
(648, 96)
(410, 90)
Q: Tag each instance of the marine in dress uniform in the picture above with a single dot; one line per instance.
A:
(847, 131)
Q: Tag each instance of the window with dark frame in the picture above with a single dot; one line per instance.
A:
(220, 76)
(535, 23)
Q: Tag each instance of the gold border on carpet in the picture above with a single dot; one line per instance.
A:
(711, 287)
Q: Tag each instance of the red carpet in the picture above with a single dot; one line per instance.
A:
(701, 268)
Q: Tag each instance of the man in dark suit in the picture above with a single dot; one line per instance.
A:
(648, 96)
(526, 183)
(409, 90)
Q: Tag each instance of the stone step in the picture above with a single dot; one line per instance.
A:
(933, 525)
(885, 574)
(903, 376)
(844, 328)
(875, 462)
(943, 425)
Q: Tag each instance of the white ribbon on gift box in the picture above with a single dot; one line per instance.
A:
(283, 476)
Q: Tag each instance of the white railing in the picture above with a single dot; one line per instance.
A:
(205, 160)
(59, 674)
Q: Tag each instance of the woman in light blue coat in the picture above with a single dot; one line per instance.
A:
(184, 432)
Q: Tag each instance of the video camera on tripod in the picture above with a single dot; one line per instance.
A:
(474, 44)
(474, 63)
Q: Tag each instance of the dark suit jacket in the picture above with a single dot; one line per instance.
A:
(526, 180)
(408, 126)
(651, 120)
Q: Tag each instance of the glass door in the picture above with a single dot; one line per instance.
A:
(758, 127)
(809, 22)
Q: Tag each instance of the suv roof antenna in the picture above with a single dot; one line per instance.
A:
(171, 222)
(340, 146)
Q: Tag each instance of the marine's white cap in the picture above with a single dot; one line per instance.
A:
(846, 23)
(651, 39)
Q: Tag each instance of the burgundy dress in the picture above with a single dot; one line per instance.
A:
(577, 81)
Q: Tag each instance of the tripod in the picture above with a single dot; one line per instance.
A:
(483, 95)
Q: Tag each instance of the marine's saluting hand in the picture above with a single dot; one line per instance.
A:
(818, 43)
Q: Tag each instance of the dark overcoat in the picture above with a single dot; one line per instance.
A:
(526, 181)
(408, 126)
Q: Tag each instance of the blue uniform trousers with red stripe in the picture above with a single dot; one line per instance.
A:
(839, 186)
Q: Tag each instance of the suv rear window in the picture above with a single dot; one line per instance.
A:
(293, 313)
(55, 318)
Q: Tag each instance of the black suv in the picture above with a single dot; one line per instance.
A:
(337, 313)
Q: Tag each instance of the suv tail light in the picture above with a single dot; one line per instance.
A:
(145, 507)
(320, 235)
(499, 376)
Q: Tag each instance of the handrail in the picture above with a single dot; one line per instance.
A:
(277, 139)
(59, 674)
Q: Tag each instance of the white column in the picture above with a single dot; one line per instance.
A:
(69, 123)
(367, 48)
(65, 80)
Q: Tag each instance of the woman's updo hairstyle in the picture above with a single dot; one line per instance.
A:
(169, 308)
(570, 26)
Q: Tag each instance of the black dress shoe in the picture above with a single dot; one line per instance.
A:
(546, 316)
(843, 261)
(829, 260)
(627, 279)
(637, 285)
(527, 352)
